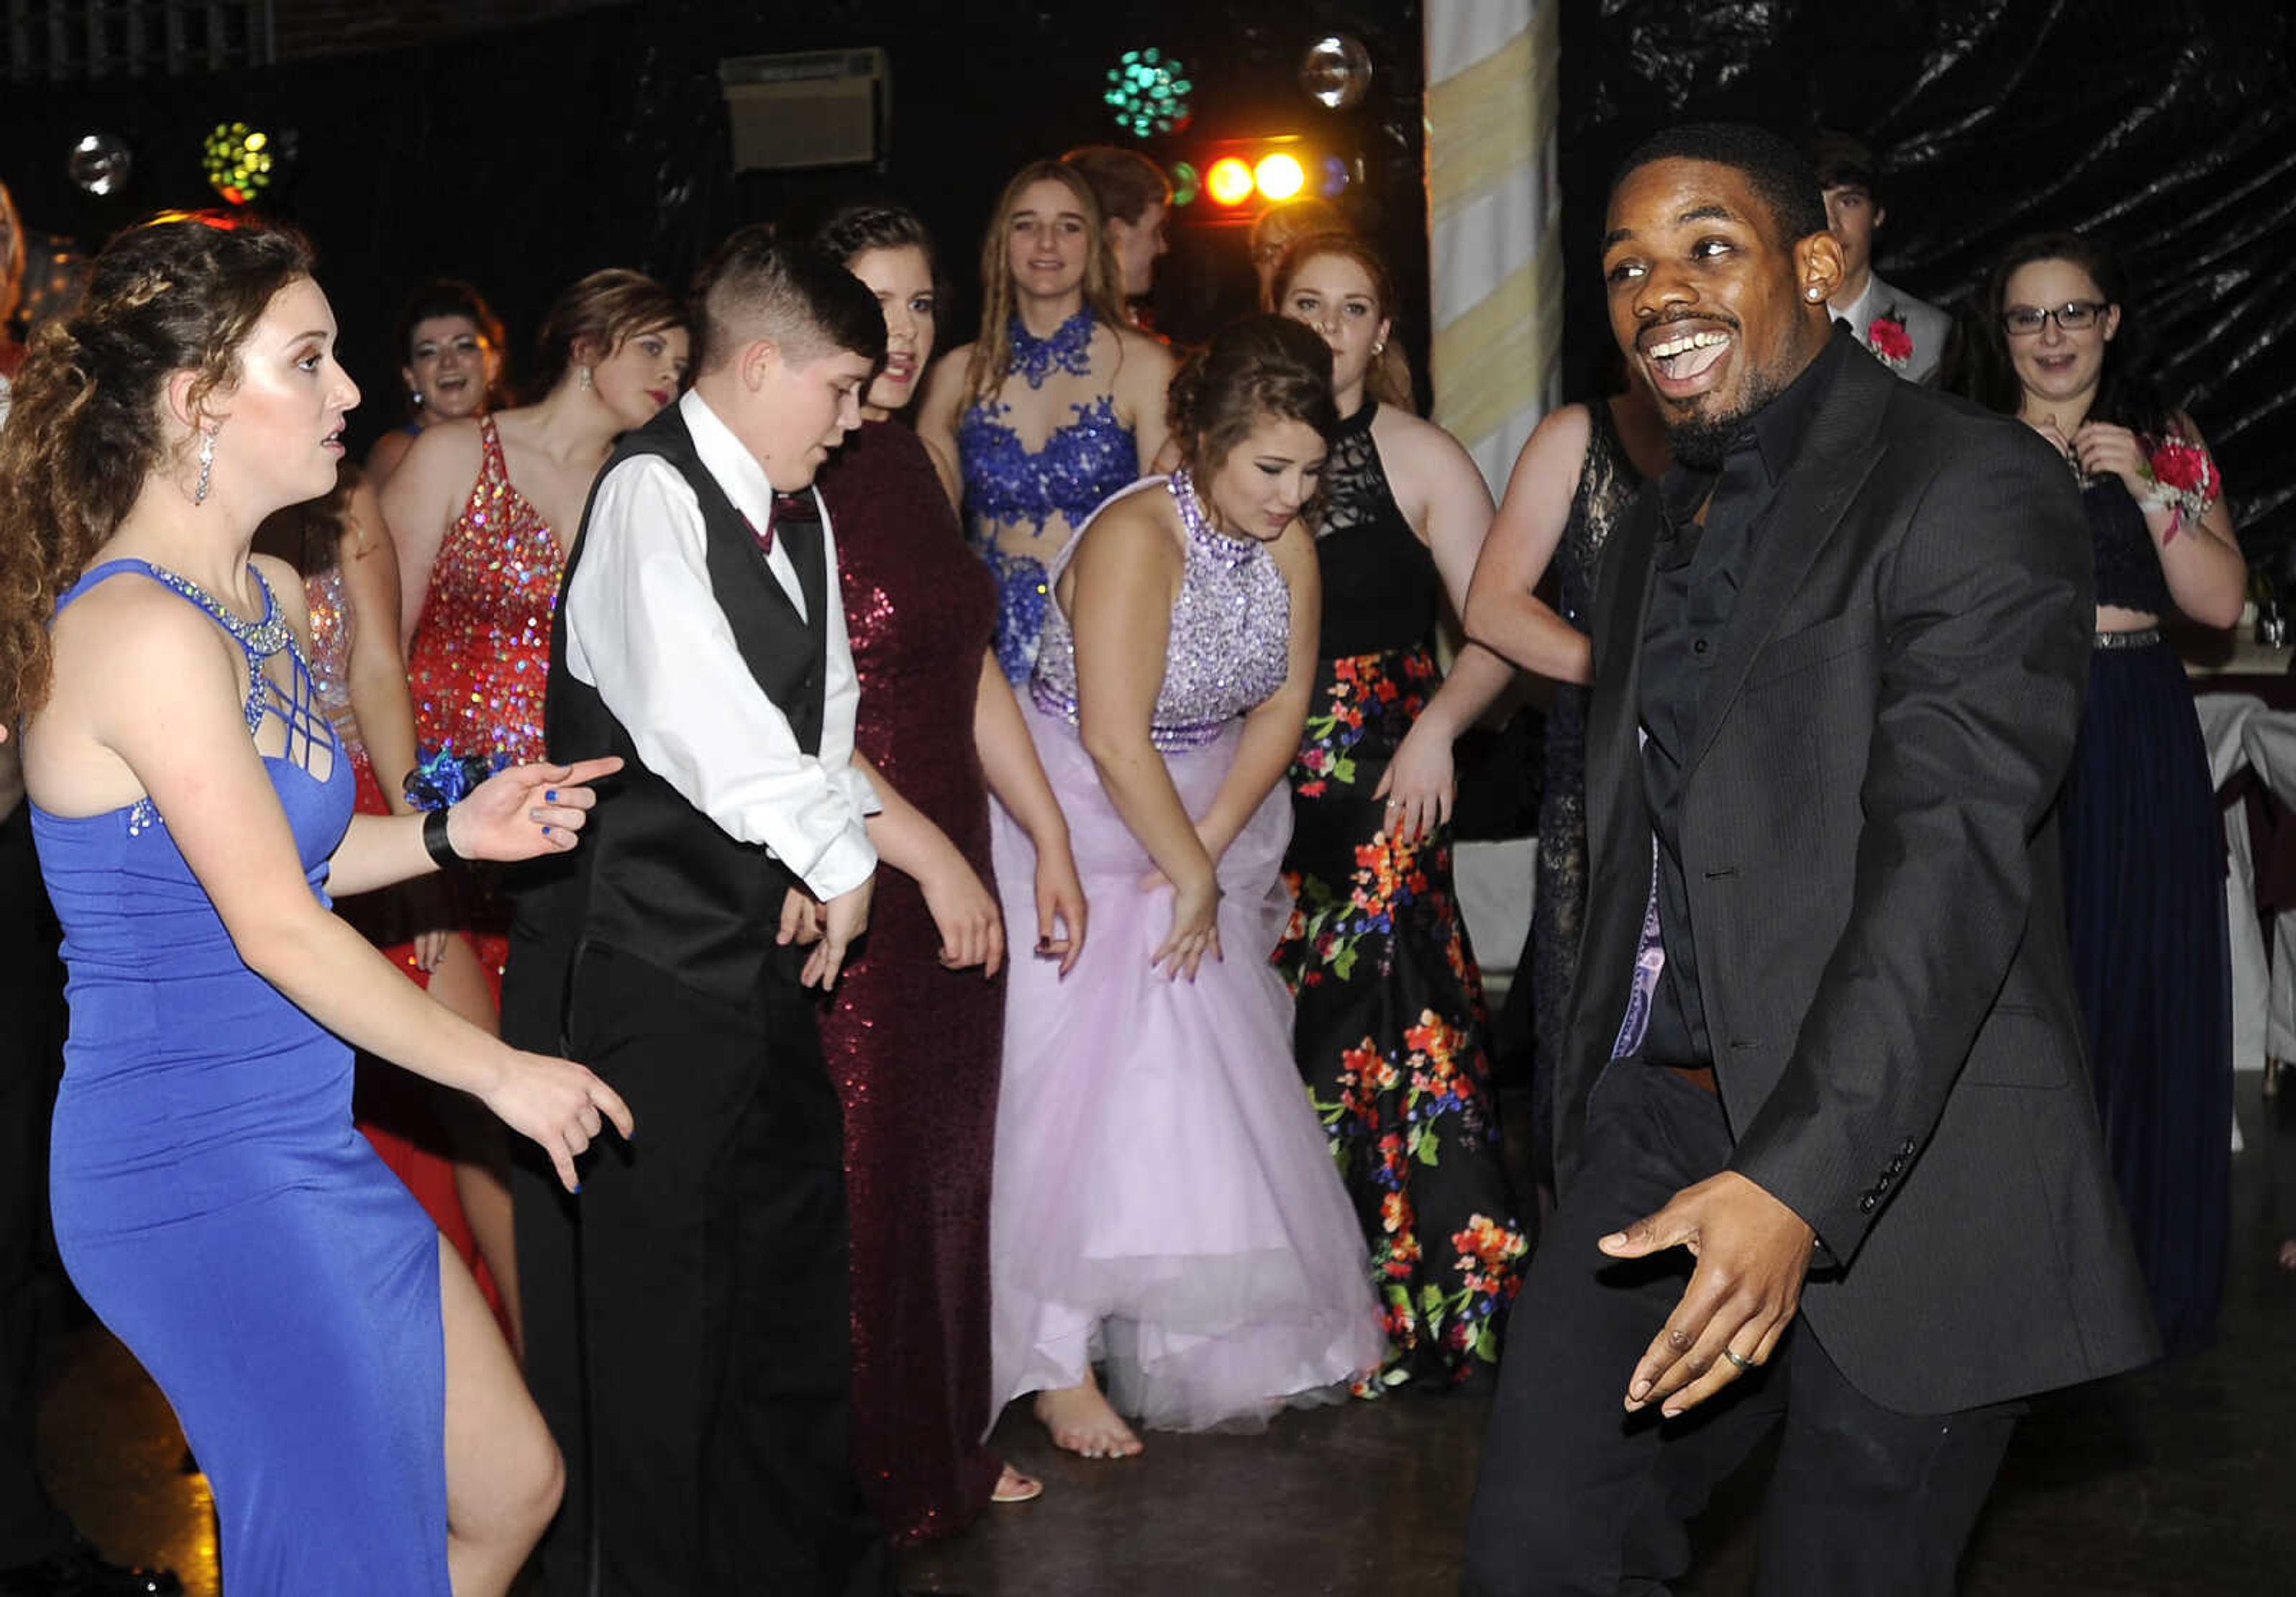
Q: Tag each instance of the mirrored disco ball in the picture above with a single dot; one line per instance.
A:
(100, 163)
(1335, 73)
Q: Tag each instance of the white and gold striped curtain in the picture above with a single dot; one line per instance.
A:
(1494, 246)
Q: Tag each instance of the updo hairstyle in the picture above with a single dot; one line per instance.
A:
(601, 310)
(1261, 367)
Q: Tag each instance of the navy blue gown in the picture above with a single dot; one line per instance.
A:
(2144, 902)
(214, 1205)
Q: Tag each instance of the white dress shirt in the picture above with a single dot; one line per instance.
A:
(643, 627)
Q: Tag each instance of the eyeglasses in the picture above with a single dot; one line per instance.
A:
(2074, 316)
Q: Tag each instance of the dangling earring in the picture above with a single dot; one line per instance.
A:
(582, 378)
(207, 466)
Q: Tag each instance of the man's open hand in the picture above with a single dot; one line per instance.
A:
(1752, 1252)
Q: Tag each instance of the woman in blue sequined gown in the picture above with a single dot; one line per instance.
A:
(1056, 405)
(2144, 848)
(358, 1414)
(1164, 1202)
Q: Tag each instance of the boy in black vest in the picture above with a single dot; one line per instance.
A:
(686, 1316)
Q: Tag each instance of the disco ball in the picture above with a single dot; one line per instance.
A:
(1336, 71)
(100, 164)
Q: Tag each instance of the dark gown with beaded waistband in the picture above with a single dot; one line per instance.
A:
(2145, 903)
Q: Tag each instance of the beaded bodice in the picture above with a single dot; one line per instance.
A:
(330, 649)
(1380, 587)
(287, 714)
(2127, 566)
(481, 650)
(1083, 460)
(1227, 651)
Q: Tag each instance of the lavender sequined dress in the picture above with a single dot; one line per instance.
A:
(1163, 1195)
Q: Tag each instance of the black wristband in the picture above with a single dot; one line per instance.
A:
(436, 842)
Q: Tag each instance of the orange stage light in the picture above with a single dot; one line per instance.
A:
(1229, 182)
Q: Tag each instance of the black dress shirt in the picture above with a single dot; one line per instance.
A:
(1701, 563)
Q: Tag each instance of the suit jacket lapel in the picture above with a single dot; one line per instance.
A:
(1840, 449)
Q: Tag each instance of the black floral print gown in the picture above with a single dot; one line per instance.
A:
(1390, 1029)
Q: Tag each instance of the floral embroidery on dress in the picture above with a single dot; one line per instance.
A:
(1375, 945)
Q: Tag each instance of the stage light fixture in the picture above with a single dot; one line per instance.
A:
(1148, 90)
(1229, 181)
(1186, 184)
(1279, 177)
(238, 161)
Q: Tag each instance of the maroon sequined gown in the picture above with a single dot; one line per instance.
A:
(914, 1048)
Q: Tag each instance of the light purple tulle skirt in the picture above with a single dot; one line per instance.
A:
(1164, 1198)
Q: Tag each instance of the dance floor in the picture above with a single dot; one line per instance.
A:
(2179, 1481)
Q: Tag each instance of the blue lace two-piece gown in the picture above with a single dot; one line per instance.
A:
(1080, 464)
(213, 1202)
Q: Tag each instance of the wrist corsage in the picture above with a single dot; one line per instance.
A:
(2183, 482)
(1890, 343)
(441, 777)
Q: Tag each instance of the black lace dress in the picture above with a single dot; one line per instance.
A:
(1389, 1031)
(1607, 484)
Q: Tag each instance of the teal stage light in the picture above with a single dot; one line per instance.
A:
(1148, 90)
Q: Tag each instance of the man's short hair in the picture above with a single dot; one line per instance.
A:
(1777, 172)
(1843, 161)
(805, 302)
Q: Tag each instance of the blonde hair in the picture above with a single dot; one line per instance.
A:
(1389, 379)
(992, 349)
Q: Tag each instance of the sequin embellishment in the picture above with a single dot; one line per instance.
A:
(1227, 650)
(481, 653)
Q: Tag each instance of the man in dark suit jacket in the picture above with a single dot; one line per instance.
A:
(1824, 1060)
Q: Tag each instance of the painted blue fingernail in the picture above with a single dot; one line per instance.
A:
(578, 1189)
(550, 796)
(546, 831)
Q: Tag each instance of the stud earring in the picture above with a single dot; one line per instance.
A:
(1814, 294)
(207, 467)
(1378, 348)
(582, 378)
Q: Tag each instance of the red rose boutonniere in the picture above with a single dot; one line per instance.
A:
(1890, 343)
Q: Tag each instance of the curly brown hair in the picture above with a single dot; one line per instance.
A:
(178, 293)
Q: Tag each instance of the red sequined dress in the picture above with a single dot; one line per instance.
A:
(482, 649)
(914, 1048)
(395, 1109)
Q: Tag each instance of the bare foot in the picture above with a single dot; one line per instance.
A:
(1080, 1420)
(1013, 1486)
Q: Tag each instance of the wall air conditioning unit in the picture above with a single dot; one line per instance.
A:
(816, 108)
